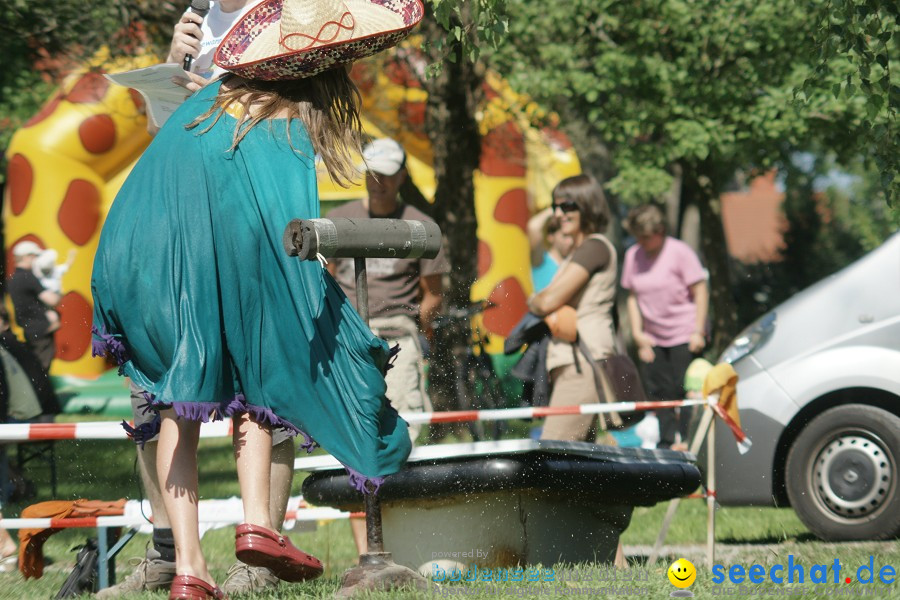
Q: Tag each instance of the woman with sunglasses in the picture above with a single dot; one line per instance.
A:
(586, 282)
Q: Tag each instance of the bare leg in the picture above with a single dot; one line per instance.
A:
(253, 457)
(176, 464)
(281, 476)
(360, 537)
(150, 480)
(621, 562)
(7, 545)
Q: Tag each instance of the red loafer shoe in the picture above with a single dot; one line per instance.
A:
(261, 547)
(188, 587)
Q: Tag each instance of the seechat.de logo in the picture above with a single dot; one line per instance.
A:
(682, 574)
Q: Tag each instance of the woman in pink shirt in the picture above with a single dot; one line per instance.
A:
(668, 301)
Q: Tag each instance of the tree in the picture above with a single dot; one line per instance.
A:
(863, 33)
(834, 214)
(41, 42)
(699, 89)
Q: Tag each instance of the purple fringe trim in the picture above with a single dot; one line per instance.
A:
(391, 357)
(209, 411)
(359, 481)
(108, 345)
(308, 444)
(144, 432)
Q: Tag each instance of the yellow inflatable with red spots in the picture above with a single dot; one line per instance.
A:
(65, 166)
(68, 162)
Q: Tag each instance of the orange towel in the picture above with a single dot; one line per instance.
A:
(722, 379)
(31, 541)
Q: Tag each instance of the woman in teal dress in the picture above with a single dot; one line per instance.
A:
(199, 304)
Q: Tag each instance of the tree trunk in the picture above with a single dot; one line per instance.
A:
(453, 96)
(450, 123)
(700, 188)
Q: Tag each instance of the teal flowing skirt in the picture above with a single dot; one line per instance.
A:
(198, 302)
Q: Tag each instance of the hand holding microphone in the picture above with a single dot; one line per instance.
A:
(199, 8)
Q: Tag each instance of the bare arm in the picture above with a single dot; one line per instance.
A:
(643, 341)
(561, 290)
(700, 292)
(51, 299)
(535, 229)
(432, 300)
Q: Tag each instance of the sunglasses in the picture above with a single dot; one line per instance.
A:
(566, 206)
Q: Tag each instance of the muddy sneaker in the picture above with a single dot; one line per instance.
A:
(150, 573)
(244, 579)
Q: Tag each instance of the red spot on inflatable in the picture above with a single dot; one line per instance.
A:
(45, 111)
(512, 208)
(412, 115)
(97, 134)
(556, 138)
(90, 88)
(509, 306)
(79, 214)
(136, 98)
(20, 178)
(399, 72)
(489, 92)
(503, 152)
(484, 258)
(10, 259)
(73, 338)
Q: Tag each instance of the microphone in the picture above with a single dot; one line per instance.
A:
(198, 7)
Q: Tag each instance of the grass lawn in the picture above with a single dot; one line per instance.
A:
(765, 536)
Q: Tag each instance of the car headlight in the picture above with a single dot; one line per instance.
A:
(750, 339)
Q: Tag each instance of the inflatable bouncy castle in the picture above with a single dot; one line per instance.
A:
(67, 163)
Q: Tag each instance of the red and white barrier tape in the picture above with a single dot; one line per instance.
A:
(96, 430)
(303, 514)
(111, 430)
(538, 412)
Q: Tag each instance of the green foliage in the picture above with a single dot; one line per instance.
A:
(42, 41)
(469, 24)
(862, 34)
(667, 82)
(833, 218)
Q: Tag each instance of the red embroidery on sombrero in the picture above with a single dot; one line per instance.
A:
(338, 25)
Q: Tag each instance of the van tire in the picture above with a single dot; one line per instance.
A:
(843, 474)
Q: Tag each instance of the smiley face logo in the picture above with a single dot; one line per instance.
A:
(682, 573)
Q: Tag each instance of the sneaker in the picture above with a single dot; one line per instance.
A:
(150, 573)
(244, 579)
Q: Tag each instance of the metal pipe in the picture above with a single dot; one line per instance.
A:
(309, 239)
(361, 238)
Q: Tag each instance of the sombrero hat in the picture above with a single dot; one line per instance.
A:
(293, 39)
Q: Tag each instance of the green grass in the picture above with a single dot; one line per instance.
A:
(105, 470)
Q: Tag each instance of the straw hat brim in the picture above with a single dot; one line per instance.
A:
(253, 48)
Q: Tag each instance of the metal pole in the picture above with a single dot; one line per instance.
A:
(711, 493)
(313, 239)
(374, 537)
(699, 436)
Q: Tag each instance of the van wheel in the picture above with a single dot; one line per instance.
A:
(842, 474)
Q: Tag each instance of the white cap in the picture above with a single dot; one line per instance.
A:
(27, 248)
(383, 156)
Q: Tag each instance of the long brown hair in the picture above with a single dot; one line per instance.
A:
(327, 104)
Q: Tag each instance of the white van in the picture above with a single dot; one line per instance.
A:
(819, 394)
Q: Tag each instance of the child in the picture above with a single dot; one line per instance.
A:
(209, 315)
(50, 275)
